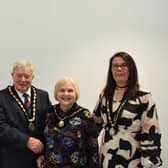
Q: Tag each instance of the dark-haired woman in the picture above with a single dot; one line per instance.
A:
(128, 119)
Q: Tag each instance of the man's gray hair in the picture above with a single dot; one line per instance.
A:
(20, 64)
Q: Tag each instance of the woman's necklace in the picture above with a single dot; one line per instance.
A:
(118, 93)
(61, 122)
(32, 119)
(121, 87)
(116, 117)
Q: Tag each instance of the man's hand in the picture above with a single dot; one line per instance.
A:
(35, 145)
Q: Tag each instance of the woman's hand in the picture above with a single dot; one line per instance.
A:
(40, 161)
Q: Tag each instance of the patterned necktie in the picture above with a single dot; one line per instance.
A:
(27, 103)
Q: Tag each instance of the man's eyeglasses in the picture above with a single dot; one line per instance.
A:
(121, 66)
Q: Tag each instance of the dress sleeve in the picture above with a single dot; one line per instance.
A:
(97, 109)
(150, 135)
(97, 112)
(91, 132)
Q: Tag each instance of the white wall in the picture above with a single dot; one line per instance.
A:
(77, 38)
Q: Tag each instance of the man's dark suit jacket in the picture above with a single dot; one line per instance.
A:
(14, 131)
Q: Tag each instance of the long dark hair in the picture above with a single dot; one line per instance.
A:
(133, 84)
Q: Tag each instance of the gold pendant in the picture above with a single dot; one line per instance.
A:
(31, 126)
(61, 123)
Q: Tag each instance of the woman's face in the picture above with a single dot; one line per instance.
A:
(120, 71)
(66, 95)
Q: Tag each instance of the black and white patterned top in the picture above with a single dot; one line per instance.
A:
(134, 142)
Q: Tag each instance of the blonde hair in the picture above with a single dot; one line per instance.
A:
(61, 82)
(21, 64)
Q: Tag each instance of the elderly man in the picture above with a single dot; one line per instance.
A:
(23, 108)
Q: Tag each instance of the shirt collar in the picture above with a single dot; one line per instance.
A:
(21, 94)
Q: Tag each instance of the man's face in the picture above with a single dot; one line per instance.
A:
(22, 78)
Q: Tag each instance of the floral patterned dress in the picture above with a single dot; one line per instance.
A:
(134, 141)
(71, 139)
